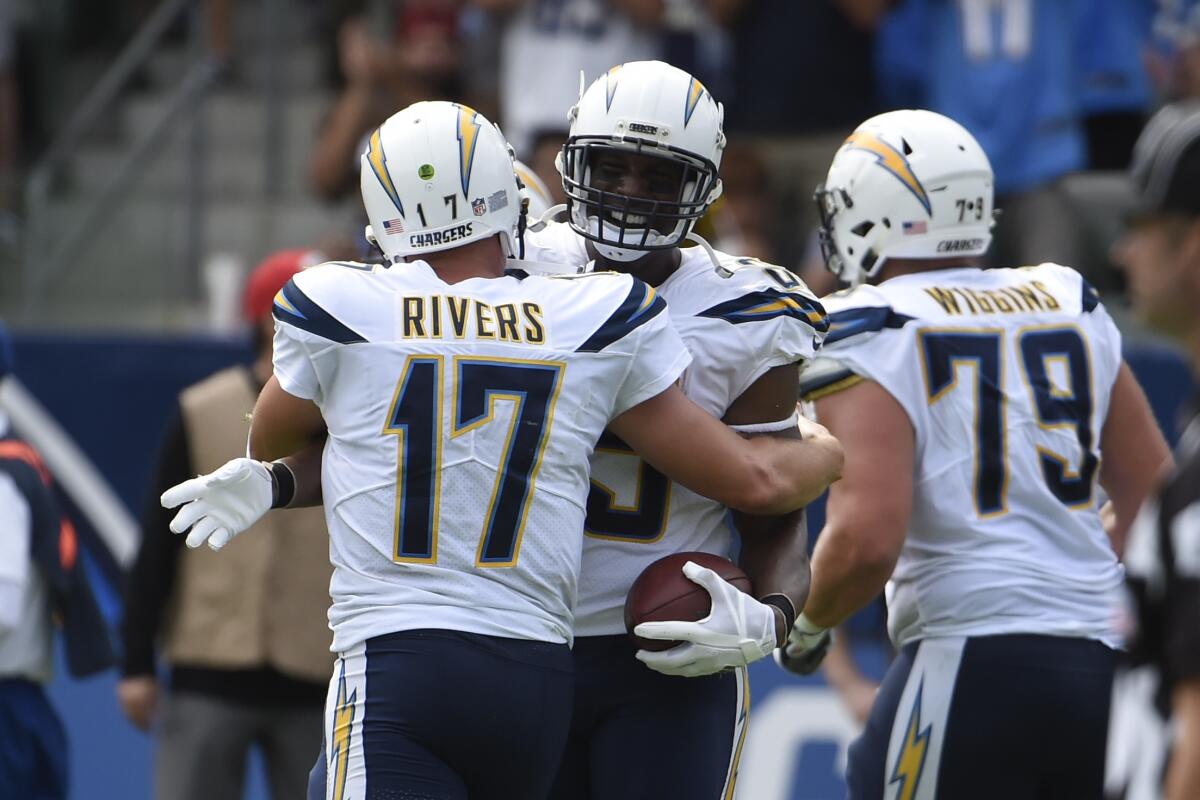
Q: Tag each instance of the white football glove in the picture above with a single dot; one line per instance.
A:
(806, 647)
(222, 504)
(738, 631)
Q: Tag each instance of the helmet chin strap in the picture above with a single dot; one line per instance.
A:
(617, 254)
(624, 255)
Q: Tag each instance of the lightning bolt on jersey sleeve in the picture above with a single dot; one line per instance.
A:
(1005, 375)
(739, 320)
(303, 329)
(659, 356)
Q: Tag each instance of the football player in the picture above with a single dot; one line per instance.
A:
(982, 413)
(639, 168)
(461, 402)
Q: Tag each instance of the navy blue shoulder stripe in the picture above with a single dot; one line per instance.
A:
(296, 309)
(1091, 298)
(640, 306)
(767, 304)
(853, 321)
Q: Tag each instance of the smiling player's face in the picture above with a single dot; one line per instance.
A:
(640, 177)
(645, 180)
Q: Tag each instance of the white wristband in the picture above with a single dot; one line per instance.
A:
(807, 627)
(769, 427)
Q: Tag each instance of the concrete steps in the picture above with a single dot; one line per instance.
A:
(134, 272)
(138, 261)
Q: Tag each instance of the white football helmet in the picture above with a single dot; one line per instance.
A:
(905, 184)
(438, 175)
(651, 109)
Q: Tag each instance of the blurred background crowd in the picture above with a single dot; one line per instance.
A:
(153, 151)
(150, 151)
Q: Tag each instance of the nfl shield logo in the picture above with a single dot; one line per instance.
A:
(479, 206)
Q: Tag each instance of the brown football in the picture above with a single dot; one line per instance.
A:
(662, 592)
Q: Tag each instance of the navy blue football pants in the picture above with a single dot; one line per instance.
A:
(443, 715)
(636, 733)
(1014, 717)
(33, 746)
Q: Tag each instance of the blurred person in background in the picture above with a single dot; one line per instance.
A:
(795, 115)
(1116, 88)
(42, 582)
(33, 744)
(420, 61)
(1006, 71)
(739, 221)
(9, 125)
(546, 43)
(219, 17)
(1173, 55)
(842, 669)
(1160, 254)
(245, 637)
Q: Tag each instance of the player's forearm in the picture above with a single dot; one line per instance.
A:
(282, 424)
(774, 555)
(1183, 774)
(846, 576)
(764, 475)
(306, 467)
(798, 471)
(1136, 455)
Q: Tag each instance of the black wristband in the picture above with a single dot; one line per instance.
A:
(284, 484)
(784, 604)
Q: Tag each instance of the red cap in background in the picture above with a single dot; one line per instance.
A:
(269, 277)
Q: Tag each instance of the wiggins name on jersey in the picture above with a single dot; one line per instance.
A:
(460, 417)
(737, 323)
(1005, 375)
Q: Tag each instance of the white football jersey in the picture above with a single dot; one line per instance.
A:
(461, 417)
(1005, 375)
(737, 323)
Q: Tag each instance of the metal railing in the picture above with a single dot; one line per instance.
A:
(51, 248)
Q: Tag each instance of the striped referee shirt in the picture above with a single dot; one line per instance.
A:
(1162, 564)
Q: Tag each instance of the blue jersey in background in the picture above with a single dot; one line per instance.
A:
(1004, 69)
(1112, 71)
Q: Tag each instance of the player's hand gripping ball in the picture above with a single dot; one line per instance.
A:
(662, 592)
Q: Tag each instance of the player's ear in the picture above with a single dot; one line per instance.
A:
(1189, 256)
(1187, 245)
